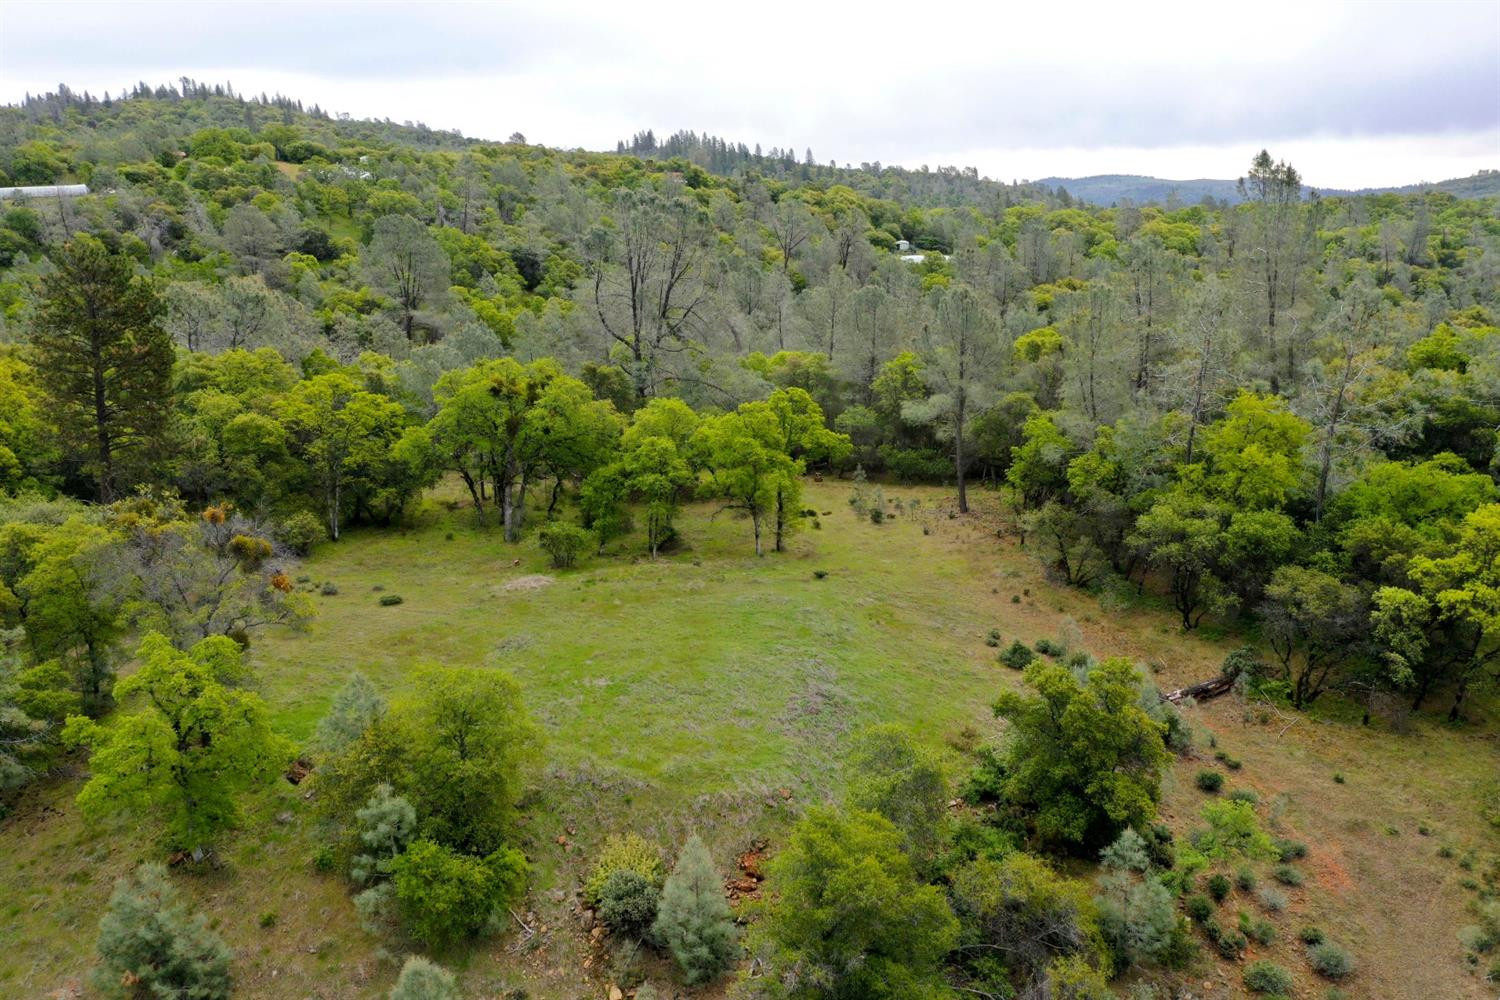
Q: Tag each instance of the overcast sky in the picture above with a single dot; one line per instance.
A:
(1354, 94)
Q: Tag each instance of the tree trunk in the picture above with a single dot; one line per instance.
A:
(958, 456)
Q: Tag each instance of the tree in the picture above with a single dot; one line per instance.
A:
(1181, 533)
(746, 466)
(34, 701)
(894, 777)
(356, 706)
(151, 945)
(960, 349)
(804, 437)
(421, 979)
(443, 895)
(407, 264)
(103, 360)
(1274, 191)
(341, 432)
(849, 917)
(191, 752)
(1316, 623)
(1083, 760)
(693, 920)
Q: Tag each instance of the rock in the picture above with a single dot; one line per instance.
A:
(586, 920)
(283, 818)
(614, 993)
(596, 933)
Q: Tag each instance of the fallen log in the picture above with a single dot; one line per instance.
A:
(1202, 691)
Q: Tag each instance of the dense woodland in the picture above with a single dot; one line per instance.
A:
(265, 325)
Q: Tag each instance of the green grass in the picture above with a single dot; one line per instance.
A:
(713, 691)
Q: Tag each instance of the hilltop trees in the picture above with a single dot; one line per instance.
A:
(104, 362)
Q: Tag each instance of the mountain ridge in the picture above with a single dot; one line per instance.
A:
(1106, 189)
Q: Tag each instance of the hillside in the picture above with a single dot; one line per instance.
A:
(409, 544)
(1110, 189)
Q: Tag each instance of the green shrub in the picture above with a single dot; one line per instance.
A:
(993, 638)
(1218, 887)
(389, 600)
(1209, 781)
(150, 939)
(1287, 875)
(421, 979)
(1289, 850)
(301, 531)
(1048, 647)
(1245, 879)
(1330, 961)
(1231, 944)
(1233, 763)
(1243, 795)
(1273, 900)
(323, 859)
(443, 895)
(1018, 656)
(1310, 935)
(329, 589)
(1199, 908)
(627, 902)
(630, 852)
(1265, 976)
(565, 543)
(1262, 932)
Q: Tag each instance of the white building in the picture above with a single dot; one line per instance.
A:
(45, 191)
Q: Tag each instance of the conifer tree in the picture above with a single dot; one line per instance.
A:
(151, 945)
(422, 979)
(693, 919)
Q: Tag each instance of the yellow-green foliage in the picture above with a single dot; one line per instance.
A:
(630, 852)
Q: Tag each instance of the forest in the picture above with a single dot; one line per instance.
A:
(274, 352)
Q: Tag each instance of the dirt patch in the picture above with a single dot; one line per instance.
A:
(535, 581)
(1328, 868)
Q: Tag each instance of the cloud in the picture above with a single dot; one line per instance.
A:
(884, 81)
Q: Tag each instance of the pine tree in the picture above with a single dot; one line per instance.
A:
(151, 945)
(356, 706)
(693, 919)
(421, 979)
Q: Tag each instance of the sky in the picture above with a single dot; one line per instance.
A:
(1354, 94)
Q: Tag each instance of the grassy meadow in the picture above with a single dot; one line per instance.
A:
(711, 690)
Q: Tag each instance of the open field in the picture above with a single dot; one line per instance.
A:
(711, 690)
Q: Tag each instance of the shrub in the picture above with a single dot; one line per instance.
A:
(1265, 976)
(877, 515)
(1140, 921)
(149, 939)
(1243, 795)
(1272, 899)
(1218, 887)
(693, 920)
(1262, 932)
(421, 979)
(1048, 647)
(993, 638)
(301, 531)
(1245, 879)
(1233, 763)
(1017, 656)
(329, 589)
(1310, 935)
(1209, 781)
(1289, 850)
(443, 895)
(1330, 961)
(1199, 908)
(565, 543)
(389, 600)
(1127, 853)
(1287, 875)
(630, 852)
(627, 902)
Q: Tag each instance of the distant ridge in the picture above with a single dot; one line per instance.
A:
(1107, 189)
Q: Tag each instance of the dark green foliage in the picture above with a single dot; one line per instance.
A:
(1330, 961)
(1264, 976)
(390, 600)
(1209, 781)
(627, 902)
(693, 920)
(992, 638)
(1218, 887)
(1245, 879)
(150, 945)
(565, 543)
(1310, 935)
(1287, 875)
(1199, 908)
(1290, 850)
(1017, 656)
(890, 774)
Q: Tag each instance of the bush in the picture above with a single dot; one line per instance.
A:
(1289, 850)
(1310, 935)
(1243, 795)
(1262, 932)
(301, 531)
(993, 638)
(627, 902)
(1273, 900)
(1287, 875)
(1018, 656)
(1330, 961)
(1218, 887)
(693, 920)
(1209, 781)
(630, 852)
(424, 980)
(149, 939)
(329, 589)
(443, 895)
(1199, 908)
(1245, 879)
(389, 600)
(1265, 976)
(565, 543)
